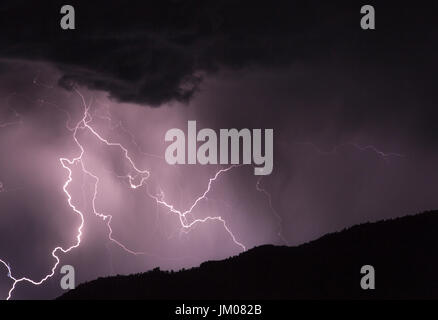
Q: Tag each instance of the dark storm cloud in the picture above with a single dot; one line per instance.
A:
(153, 52)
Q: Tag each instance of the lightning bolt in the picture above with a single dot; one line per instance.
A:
(57, 249)
(384, 155)
(119, 125)
(279, 219)
(85, 124)
(144, 174)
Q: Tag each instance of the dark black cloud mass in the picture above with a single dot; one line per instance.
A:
(153, 52)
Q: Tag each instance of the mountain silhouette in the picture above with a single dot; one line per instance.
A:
(403, 252)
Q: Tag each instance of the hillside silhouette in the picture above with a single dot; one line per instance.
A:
(403, 251)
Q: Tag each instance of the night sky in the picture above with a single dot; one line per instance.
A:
(353, 112)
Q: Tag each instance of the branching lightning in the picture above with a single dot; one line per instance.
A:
(271, 206)
(85, 124)
(137, 179)
(384, 155)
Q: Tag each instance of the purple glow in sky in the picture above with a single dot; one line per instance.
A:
(314, 189)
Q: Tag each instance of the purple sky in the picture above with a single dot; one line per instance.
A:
(353, 113)
(316, 187)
